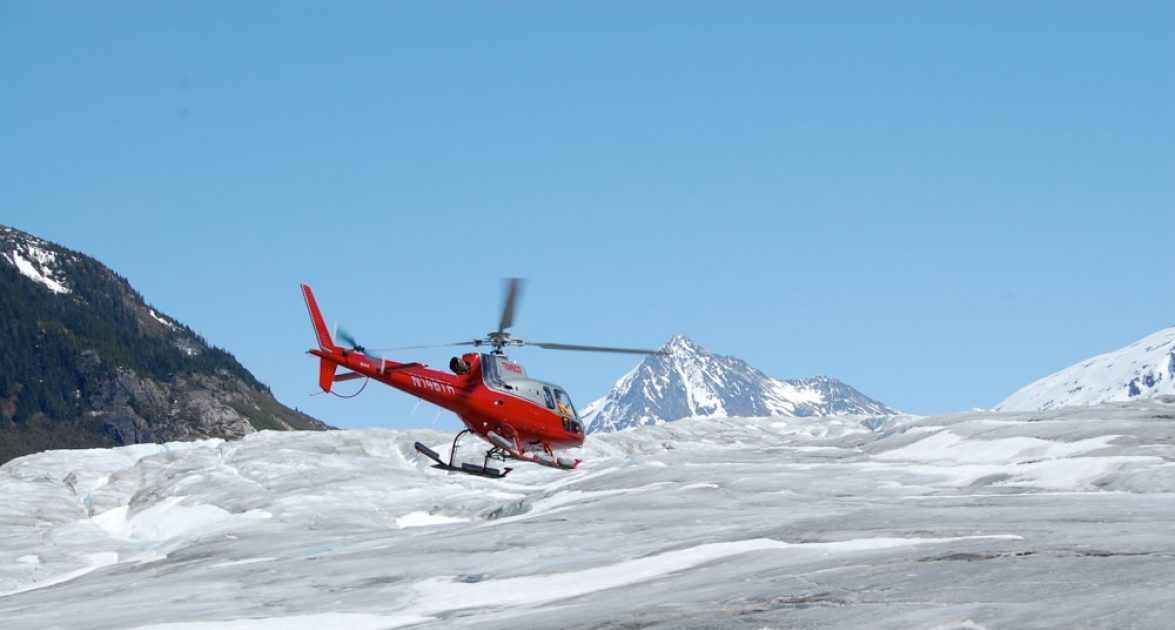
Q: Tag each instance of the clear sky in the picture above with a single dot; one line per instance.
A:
(936, 202)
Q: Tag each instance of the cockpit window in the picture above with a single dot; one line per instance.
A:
(549, 398)
(501, 374)
(563, 403)
(489, 371)
(490, 374)
(509, 370)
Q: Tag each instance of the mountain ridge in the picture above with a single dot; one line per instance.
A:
(690, 381)
(1142, 369)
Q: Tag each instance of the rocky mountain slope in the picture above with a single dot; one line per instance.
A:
(690, 381)
(86, 362)
(1143, 369)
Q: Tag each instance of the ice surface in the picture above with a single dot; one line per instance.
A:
(1031, 520)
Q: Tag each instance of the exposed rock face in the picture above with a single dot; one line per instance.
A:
(136, 409)
(86, 362)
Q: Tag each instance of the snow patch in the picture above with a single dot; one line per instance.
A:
(423, 519)
(168, 520)
(39, 269)
(162, 320)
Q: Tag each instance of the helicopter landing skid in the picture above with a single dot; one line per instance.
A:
(547, 459)
(507, 448)
(470, 469)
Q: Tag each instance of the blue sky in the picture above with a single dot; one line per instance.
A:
(936, 202)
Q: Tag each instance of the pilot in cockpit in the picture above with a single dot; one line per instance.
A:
(563, 404)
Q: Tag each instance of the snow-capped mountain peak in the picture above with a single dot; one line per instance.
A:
(689, 381)
(1143, 369)
(683, 345)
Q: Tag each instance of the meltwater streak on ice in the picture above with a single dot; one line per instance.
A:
(94, 562)
(349, 621)
(440, 594)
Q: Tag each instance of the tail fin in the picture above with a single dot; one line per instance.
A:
(326, 369)
(324, 340)
(326, 374)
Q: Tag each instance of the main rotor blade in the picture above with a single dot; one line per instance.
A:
(512, 288)
(568, 346)
(436, 345)
(346, 338)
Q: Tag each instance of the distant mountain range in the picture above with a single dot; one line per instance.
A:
(689, 381)
(1143, 369)
(86, 362)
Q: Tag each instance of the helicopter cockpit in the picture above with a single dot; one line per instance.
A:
(504, 375)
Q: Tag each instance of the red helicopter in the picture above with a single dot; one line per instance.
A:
(522, 418)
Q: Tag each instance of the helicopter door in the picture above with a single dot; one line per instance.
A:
(567, 410)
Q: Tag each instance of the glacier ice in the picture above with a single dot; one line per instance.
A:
(1035, 519)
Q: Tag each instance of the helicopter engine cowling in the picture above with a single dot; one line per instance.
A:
(459, 366)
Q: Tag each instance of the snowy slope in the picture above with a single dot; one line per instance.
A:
(34, 258)
(979, 520)
(691, 382)
(1144, 369)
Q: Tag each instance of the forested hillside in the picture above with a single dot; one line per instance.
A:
(85, 362)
